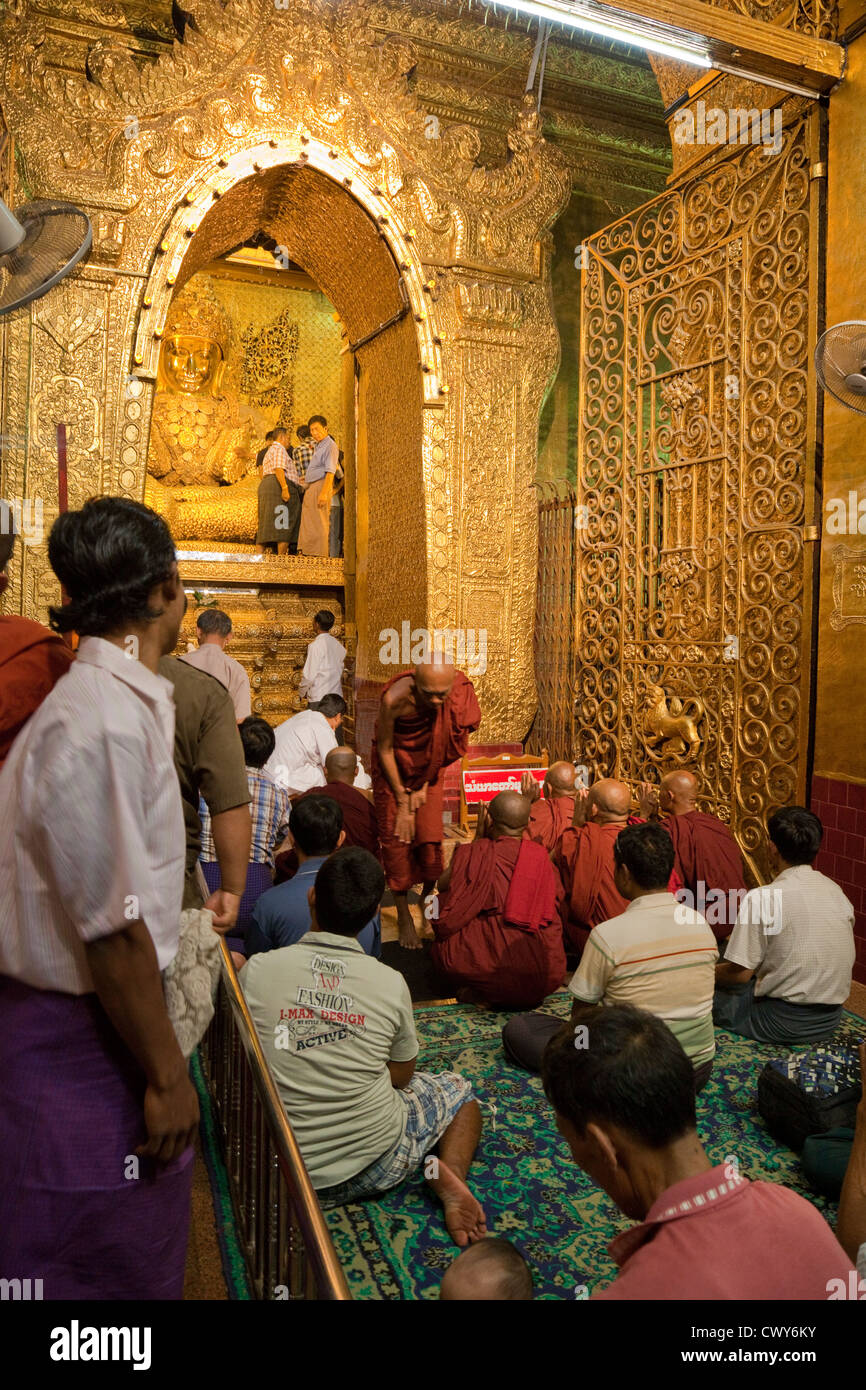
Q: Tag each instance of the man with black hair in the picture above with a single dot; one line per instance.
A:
(339, 1035)
(788, 965)
(269, 813)
(303, 742)
(323, 669)
(282, 914)
(279, 520)
(32, 658)
(658, 955)
(623, 1093)
(91, 881)
(213, 628)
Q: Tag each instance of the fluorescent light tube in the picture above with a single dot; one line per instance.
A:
(671, 43)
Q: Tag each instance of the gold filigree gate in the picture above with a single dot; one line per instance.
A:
(696, 476)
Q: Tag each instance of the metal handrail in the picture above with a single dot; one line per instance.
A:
(287, 1243)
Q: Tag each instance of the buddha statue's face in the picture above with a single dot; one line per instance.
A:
(190, 363)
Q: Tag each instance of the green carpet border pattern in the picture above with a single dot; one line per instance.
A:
(231, 1253)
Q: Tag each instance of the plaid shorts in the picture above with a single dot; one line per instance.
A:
(431, 1103)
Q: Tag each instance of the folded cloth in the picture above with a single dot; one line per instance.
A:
(531, 900)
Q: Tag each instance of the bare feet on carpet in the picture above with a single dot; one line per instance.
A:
(407, 935)
(464, 1215)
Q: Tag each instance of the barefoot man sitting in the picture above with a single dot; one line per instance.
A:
(425, 719)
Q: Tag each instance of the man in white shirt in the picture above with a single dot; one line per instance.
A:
(213, 629)
(302, 745)
(339, 1035)
(323, 669)
(788, 964)
(95, 1091)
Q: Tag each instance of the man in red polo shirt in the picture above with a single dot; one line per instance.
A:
(623, 1092)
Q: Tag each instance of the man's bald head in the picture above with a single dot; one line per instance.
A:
(559, 780)
(341, 766)
(492, 1269)
(508, 813)
(678, 793)
(610, 801)
(433, 680)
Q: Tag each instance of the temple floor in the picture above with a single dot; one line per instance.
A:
(396, 1247)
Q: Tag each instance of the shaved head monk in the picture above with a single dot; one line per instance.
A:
(499, 928)
(585, 857)
(425, 719)
(707, 858)
(550, 817)
(359, 818)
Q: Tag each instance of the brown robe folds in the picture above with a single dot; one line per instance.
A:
(585, 863)
(32, 660)
(424, 745)
(709, 862)
(499, 929)
(548, 820)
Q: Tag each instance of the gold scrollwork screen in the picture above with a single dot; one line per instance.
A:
(692, 587)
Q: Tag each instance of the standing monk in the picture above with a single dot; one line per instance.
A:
(585, 857)
(425, 719)
(549, 818)
(708, 860)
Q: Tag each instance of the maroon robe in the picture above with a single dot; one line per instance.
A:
(32, 660)
(359, 824)
(585, 862)
(424, 745)
(708, 860)
(548, 820)
(499, 929)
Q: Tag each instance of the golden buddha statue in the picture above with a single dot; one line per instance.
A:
(200, 436)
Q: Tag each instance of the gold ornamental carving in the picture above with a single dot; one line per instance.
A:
(849, 586)
(667, 722)
(254, 114)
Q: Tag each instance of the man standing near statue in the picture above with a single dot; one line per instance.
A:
(313, 538)
(280, 495)
(425, 719)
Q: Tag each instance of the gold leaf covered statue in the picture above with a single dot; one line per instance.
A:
(201, 436)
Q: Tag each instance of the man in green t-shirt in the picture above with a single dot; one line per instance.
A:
(338, 1032)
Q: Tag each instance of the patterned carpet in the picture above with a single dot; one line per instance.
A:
(396, 1247)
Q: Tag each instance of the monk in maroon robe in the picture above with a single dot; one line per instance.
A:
(550, 818)
(585, 858)
(359, 818)
(499, 925)
(32, 660)
(707, 857)
(425, 719)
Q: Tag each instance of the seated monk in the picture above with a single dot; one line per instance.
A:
(359, 818)
(585, 858)
(499, 929)
(550, 817)
(425, 719)
(707, 858)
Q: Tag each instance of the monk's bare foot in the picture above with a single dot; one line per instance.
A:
(464, 1215)
(407, 935)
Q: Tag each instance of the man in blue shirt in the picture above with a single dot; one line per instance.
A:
(313, 537)
(282, 914)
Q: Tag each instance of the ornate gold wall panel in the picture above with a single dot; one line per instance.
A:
(300, 120)
(697, 477)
